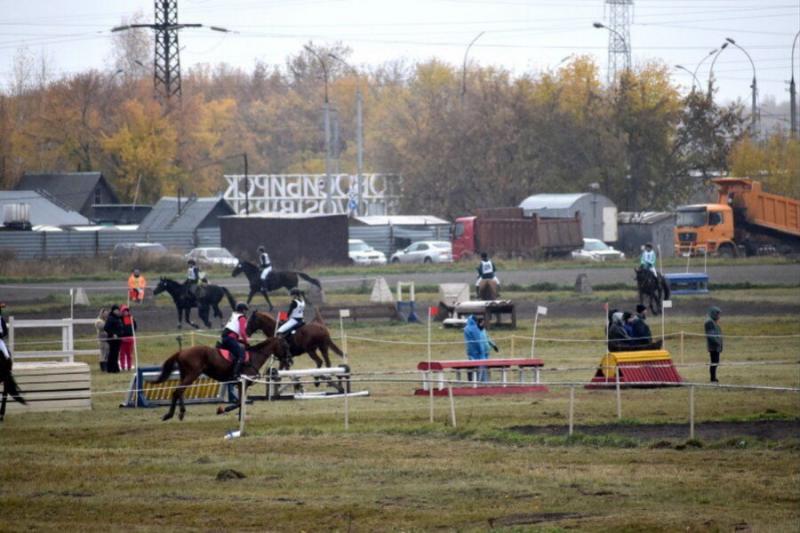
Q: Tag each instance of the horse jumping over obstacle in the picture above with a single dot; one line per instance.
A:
(310, 338)
(197, 360)
(9, 385)
(209, 297)
(275, 280)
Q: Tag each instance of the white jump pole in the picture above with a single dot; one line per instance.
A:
(71, 304)
(430, 373)
(344, 313)
(452, 404)
(619, 396)
(135, 359)
(691, 412)
(243, 404)
(540, 310)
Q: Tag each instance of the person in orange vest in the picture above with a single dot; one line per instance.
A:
(136, 286)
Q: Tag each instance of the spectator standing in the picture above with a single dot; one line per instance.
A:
(102, 337)
(126, 346)
(113, 329)
(136, 286)
(713, 340)
(486, 344)
(473, 342)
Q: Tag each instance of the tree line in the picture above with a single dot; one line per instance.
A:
(462, 140)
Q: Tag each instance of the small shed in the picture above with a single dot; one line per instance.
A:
(636, 229)
(293, 240)
(186, 214)
(77, 191)
(388, 234)
(25, 209)
(598, 213)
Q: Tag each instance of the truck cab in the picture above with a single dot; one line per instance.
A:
(462, 237)
(705, 228)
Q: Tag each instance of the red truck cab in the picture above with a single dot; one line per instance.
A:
(463, 238)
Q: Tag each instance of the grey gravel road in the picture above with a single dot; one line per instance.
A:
(755, 274)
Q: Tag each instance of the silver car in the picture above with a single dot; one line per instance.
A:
(213, 256)
(596, 250)
(425, 252)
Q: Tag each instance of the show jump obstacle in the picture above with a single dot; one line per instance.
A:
(483, 308)
(646, 368)
(527, 370)
(287, 384)
(144, 392)
(67, 352)
(52, 386)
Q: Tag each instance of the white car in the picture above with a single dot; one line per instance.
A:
(425, 252)
(362, 253)
(212, 256)
(596, 250)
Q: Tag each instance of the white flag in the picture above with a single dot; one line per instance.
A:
(344, 313)
(540, 309)
(666, 304)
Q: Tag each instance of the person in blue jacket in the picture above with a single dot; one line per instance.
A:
(486, 343)
(473, 341)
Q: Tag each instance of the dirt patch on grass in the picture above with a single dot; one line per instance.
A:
(773, 430)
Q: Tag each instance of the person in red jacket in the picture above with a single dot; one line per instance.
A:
(126, 347)
(234, 333)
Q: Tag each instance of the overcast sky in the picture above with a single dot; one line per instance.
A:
(520, 35)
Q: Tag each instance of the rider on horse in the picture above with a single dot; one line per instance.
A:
(265, 265)
(647, 261)
(234, 333)
(3, 333)
(192, 277)
(486, 270)
(296, 311)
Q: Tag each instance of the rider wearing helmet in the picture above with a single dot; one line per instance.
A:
(192, 277)
(486, 270)
(647, 261)
(296, 311)
(265, 264)
(234, 333)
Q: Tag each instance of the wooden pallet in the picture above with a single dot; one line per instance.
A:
(52, 386)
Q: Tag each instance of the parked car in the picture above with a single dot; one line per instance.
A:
(425, 252)
(596, 250)
(362, 253)
(212, 256)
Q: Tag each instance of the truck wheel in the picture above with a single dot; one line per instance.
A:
(727, 251)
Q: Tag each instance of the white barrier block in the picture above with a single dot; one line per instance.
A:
(381, 293)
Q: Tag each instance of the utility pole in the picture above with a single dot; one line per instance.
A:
(619, 18)
(167, 63)
(793, 93)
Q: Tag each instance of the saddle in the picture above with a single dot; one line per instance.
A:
(226, 354)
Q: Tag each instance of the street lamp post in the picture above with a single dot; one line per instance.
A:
(754, 87)
(600, 25)
(359, 134)
(711, 68)
(464, 67)
(694, 76)
(793, 93)
(327, 119)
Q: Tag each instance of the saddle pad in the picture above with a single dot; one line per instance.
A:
(226, 354)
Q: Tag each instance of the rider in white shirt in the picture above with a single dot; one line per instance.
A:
(296, 312)
(265, 264)
(486, 270)
(647, 261)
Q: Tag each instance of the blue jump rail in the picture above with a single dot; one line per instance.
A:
(688, 282)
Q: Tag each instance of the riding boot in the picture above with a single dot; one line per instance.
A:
(237, 368)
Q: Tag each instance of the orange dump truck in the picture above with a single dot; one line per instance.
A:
(744, 221)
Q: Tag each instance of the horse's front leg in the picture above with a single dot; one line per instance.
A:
(3, 404)
(266, 297)
(188, 313)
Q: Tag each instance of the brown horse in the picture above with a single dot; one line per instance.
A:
(197, 360)
(9, 385)
(487, 290)
(308, 339)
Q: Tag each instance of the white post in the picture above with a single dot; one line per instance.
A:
(72, 304)
(705, 260)
(135, 359)
(512, 346)
(691, 412)
(533, 339)
(243, 404)
(682, 352)
(342, 314)
(452, 404)
(571, 408)
(665, 304)
(430, 394)
(619, 396)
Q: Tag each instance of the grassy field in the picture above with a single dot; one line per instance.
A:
(507, 466)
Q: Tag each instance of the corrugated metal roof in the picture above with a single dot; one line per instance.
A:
(72, 189)
(551, 201)
(643, 217)
(43, 211)
(194, 211)
(399, 220)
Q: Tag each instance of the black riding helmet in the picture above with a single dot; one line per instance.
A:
(262, 249)
(190, 262)
(295, 292)
(484, 256)
(241, 307)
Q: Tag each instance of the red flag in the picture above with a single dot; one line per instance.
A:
(283, 316)
(432, 311)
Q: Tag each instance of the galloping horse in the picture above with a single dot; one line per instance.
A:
(656, 288)
(487, 289)
(275, 280)
(308, 339)
(197, 360)
(9, 385)
(209, 296)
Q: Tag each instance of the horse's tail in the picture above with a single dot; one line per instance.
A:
(166, 368)
(12, 389)
(309, 279)
(230, 298)
(336, 349)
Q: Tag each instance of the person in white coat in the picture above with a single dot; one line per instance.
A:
(295, 314)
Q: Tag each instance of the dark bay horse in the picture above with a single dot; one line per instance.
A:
(656, 288)
(276, 280)
(197, 360)
(313, 336)
(487, 289)
(208, 297)
(9, 385)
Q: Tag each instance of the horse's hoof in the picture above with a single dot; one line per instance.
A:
(220, 410)
(181, 415)
(166, 417)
